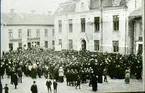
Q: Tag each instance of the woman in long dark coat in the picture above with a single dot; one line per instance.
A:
(15, 79)
(100, 76)
(94, 83)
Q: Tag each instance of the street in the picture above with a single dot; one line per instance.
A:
(115, 85)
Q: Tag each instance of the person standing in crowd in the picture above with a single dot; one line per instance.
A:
(61, 74)
(94, 83)
(34, 88)
(6, 88)
(78, 82)
(15, 80)
(55, 86)
(1, 87)
(105, 75)
(127, 75)
(2, 70)
(67, 74)
(48, 84)
(33, 73)
(100, 75)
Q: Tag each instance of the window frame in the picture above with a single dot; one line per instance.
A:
(20, 33)
(59, 26)
(115, 45)
(10, 33)
(97, 45)
(70, 44)
(37, 32)
(115, 23)
(46, 32)
(60, 42)
(46, 44)
(83, 25)
(28, 32)
(20, 44)
(96, 24)
(70, 23)
(11, 47)
(53, 44)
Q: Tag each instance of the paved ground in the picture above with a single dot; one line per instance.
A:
(112, 86)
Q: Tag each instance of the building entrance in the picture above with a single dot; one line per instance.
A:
(83, 44)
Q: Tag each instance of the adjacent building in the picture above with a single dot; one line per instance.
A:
(21, 30)
(99, 25)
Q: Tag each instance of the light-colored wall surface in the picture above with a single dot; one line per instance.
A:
(6, 38)
(107, 33)
(90, 35)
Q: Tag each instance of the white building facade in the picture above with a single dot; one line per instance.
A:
(26, 31)
(95, 25)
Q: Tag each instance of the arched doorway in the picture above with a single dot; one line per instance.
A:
(83, 44)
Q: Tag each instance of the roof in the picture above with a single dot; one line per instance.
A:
(70, 6)
(27, 19)
(136, 13)
(66, 8)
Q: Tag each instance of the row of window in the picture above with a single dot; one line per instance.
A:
(96, 24)
(29, 44)
(115, 45)
(29, 33)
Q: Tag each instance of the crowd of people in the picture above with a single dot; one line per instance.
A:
(76, 66)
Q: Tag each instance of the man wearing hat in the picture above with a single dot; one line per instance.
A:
(34, 88)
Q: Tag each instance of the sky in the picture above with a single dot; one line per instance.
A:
(25, 6)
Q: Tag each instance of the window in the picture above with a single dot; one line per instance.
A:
(70, 25)
(141, 30)
(53, 32)
(83, 24)
(10, 46)
(140, 38)
(70, 44)
(116, 23)
(115, 46)
(46, 44)
(10, 33)
(37, 32)
(96, 45)
(60, 25)
(97, 23)
(60, 42)
(29, 32)
(20, 45)
(19, 33)
(53, 44)
(46, 32)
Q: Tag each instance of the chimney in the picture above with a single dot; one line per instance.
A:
(32, 11)
(12, 11)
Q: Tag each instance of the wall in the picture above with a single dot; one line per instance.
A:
(24, 35)
(90, 35)
(132, 6)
